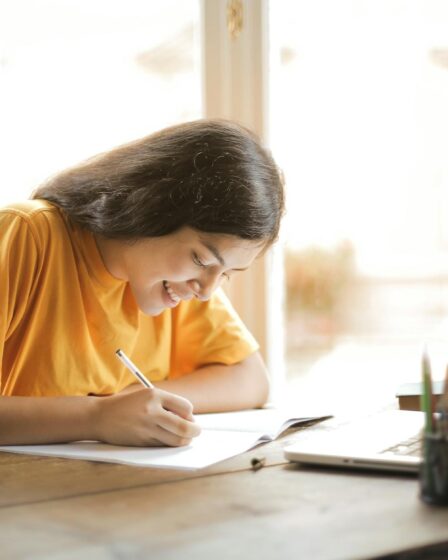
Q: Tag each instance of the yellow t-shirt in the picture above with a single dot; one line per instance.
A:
(63, 315)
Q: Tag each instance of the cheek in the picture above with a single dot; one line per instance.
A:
(144, 285)
(144, 275)
(148, 299)
(180, 271)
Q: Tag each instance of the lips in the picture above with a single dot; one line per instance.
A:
(174, 298)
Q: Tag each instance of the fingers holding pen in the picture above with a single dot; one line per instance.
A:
(143, 418)
(180, 406)
(165, 437)
(176, 404)
(175, 419)
(179, 427)
(168, 418)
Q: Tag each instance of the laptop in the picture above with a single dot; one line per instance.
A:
(388, 440)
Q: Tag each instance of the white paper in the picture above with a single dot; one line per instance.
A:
(268, 423)
(232, 433)
(206, 449)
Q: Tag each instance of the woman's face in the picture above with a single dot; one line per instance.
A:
(162, 271)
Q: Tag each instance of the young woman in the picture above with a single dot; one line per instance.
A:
(127, 251)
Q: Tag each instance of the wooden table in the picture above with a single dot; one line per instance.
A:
(67, 509)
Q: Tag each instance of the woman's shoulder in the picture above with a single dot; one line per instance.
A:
(29, 209)
(37, 213)
(38, 217)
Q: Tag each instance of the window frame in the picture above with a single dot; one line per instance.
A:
(235, 85)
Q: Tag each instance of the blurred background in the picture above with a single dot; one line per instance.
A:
(360, 117)
(358, 122)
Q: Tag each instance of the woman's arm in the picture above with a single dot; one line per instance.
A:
(139, 418)
(27, 420)
(222, 388)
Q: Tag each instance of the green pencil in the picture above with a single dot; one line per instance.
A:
(426, 400)
(442, 408)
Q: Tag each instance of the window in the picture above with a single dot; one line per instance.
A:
(359, 124)
(78, 78)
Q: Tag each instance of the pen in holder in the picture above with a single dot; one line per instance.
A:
(434, 466)
(434, 469)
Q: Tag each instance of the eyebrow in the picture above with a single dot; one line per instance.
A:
(215, 252)
(218, 255)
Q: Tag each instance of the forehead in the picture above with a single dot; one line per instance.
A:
(228, 242)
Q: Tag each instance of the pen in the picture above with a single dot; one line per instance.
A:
(133, 369)
(427, 394)
(442, 407)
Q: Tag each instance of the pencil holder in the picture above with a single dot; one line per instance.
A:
(434, 469)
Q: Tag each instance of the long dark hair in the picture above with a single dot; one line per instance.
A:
(210, 175)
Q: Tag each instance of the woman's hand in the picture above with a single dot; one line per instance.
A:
(145, 417)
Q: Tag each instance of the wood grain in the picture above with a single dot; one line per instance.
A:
(281, 511)
(65, 509)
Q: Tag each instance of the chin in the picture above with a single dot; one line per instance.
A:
(151, 311)
(154, 312)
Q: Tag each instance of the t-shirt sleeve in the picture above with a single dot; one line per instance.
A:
(208, 332)
(18, 266)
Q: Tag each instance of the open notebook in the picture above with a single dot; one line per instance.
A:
(223, 435)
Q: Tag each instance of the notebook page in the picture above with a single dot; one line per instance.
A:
(268, 423)
(208, 448)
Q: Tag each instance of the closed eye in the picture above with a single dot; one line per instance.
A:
(197, 261)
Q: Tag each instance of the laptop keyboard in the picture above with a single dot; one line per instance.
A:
(410, 447)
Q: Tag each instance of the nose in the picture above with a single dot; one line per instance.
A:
(204, 288)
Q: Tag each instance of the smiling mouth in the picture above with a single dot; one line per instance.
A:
(172, 295)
